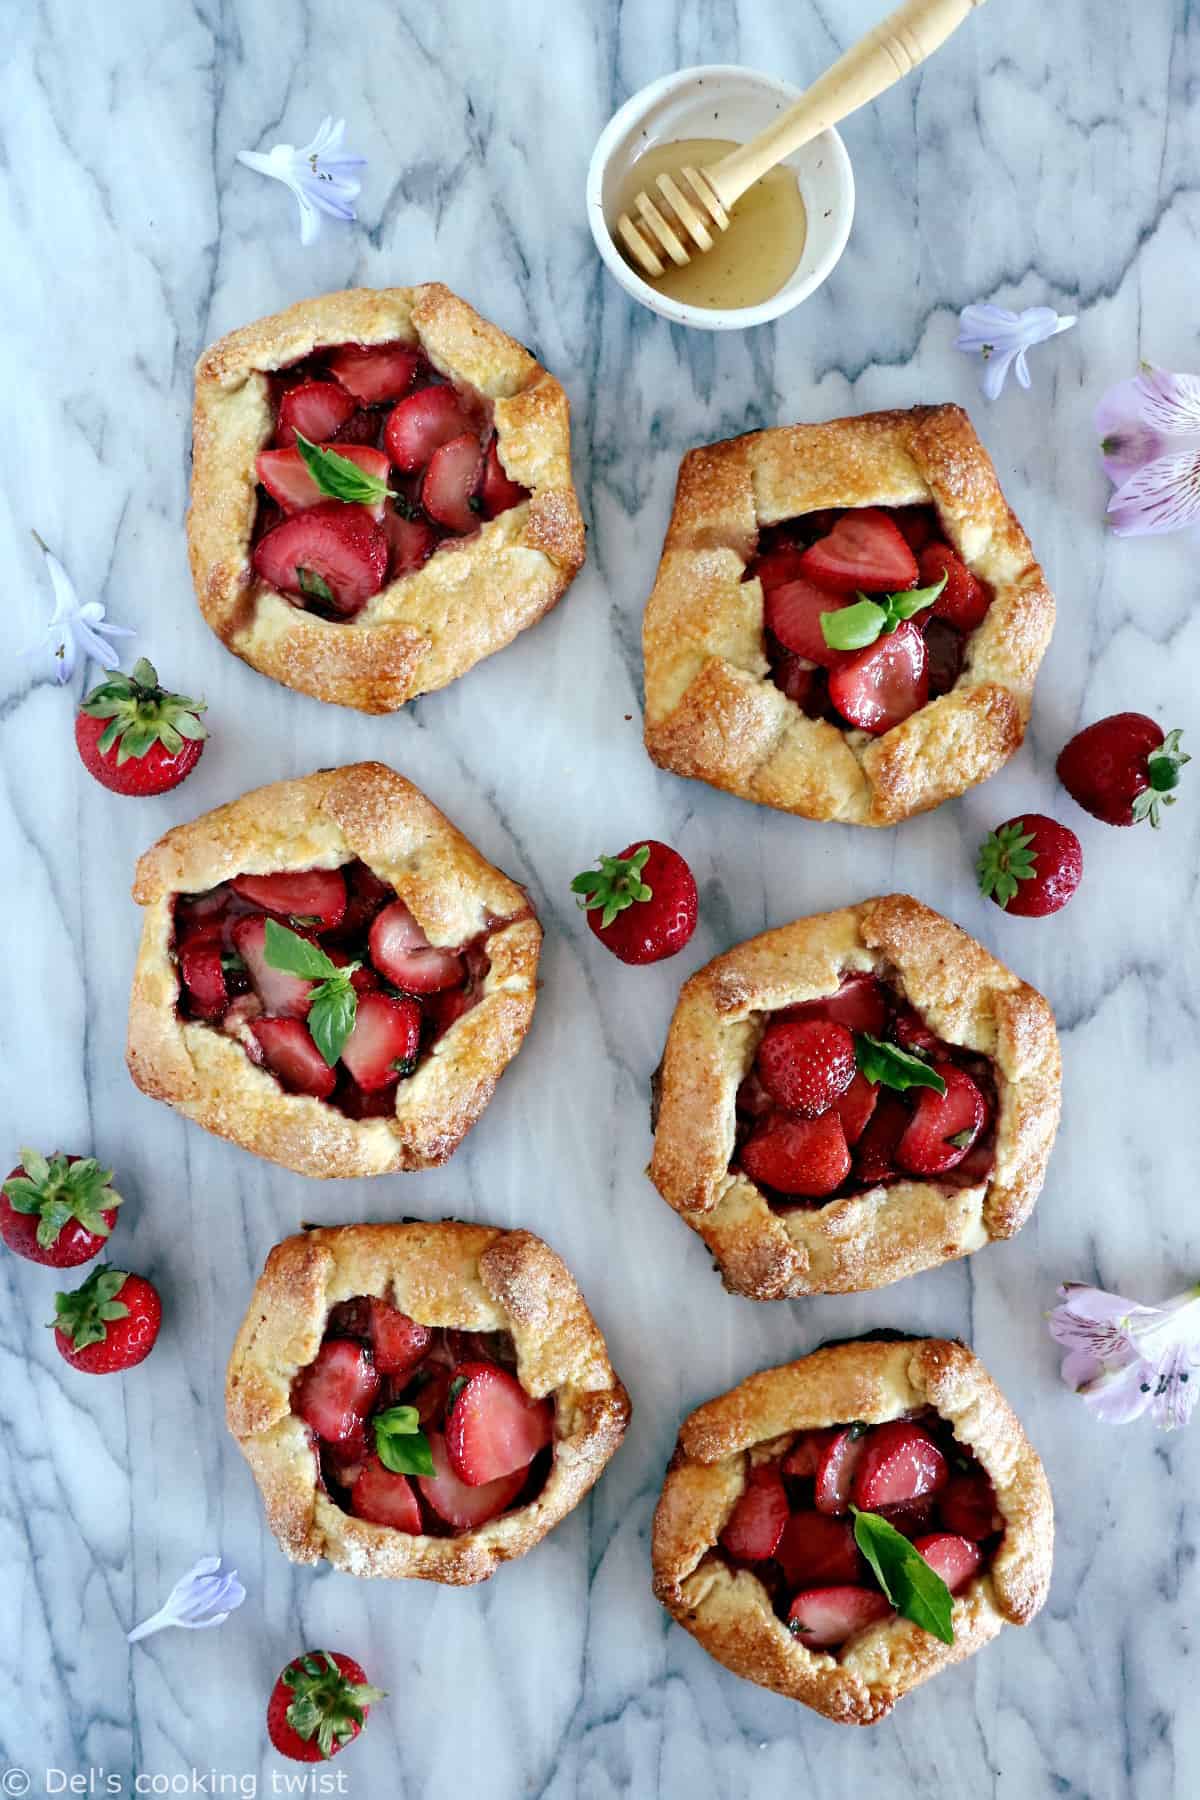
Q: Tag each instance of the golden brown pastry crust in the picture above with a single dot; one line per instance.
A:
(869, 1239)
(423, 630)
(471, 1277)
(321, 821)
(712, 710)
(730, 1612)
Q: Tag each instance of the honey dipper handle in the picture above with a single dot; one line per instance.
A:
(886, 55)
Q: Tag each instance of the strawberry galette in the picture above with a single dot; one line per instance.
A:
(330, 974)
(853, 1098)
(381, 493)
(847, 619)
(420, 1400)
(843, 1528)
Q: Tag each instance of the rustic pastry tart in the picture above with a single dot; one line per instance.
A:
(852, 1098)
(381, 493)
(330, 974)
(778, 531)
(754, 1545)
(467, 1351)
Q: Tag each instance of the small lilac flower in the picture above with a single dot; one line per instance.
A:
(318, 175)
(205, 1596)
(1002, 338)
(1126, 1359)
(74, 628)
(1149, 430)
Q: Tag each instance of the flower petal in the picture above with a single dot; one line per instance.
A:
(1127, 439)
(1121, 1395)
(1175, 1388)
(1160, 496)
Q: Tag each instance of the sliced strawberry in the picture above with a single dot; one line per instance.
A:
(397, 1341)
(431, 1396)
(384, 1041)
(204, 977)
(798, 1156)
(494, 1428)
(856, 1106)
(364, 979)
(817, 1551)
(793, 614)
(777, 567)
(421, 424)
(955, 1559)
(315, 409)
(806, 1454)
(967, 1506)
(946, 649)
(456, 1502)
(913, 1519)
(822, 1618)
(864, 550)
(374, 373)
(339, 545)
(900, 1463)
(337, 1390)
(860, 1004)
(366, 895)
(293, 1058)
(344, 1463)
(752, 1098)
(441, 1011)
(796, 677)
(836, 1469)
(943, 1126)
(884, 684)
(875, 1151)
(913, 1034)
(382, 1497)
(284, 474)
(755, 1525)
(313, 897)
(362, 427)
(411, 543)
(500, 493)
(917, 525)
(806, 1064)
(450, 490)
(964, 601)
(403, 954)
(283, 995)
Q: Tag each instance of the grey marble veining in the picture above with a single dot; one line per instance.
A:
(1048, 155)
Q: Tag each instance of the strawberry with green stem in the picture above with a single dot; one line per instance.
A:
(643, 904)
(1030, 866)
(109, 1324)
(319, 1704)
(57, 1210)
(135, 737)
(1123, 769)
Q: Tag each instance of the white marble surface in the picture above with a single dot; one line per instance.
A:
(1048, 156)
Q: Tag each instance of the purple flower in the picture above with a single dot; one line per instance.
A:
(205, 1596)
(1003, 338)
(1127, 1359)
(1149, 431)
(319, 175)
(75, 628)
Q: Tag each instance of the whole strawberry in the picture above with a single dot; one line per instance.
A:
(57, 1211)
(136, 738)
(319, 1705)
(643, 904)
(109, 1324)
(806, 1064)
(1122, 769)
(1030, 866)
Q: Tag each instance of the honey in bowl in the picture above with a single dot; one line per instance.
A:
(749, 262)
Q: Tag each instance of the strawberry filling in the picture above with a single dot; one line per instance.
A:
(793, 1525)
(407, 992)
(824, 561)
(811, 1127)
(491, 1443)
(428, 447)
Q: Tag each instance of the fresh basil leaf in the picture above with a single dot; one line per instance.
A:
(853, 627)
(288, 951)
(339, 477)
(894, 1067)
(400, 1443)
(912, 600)
(914, 1589)
(311, 583)
(331, 1016)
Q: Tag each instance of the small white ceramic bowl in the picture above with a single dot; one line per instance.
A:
(720, 100)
